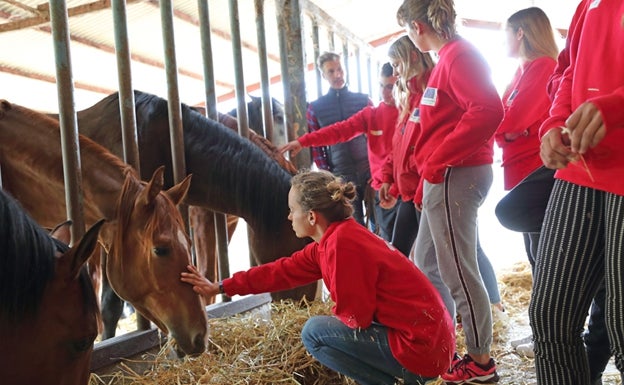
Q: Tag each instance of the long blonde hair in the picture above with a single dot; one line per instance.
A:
(538, 36)
(415, 63)
(440, 15)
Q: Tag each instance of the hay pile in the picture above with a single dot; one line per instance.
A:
(246, 349)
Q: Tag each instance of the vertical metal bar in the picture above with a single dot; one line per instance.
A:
(239, 83)
(220, 222)
(331, 38)
(175, 110)
(345, 60)
(267, 105)
(206, 47)
(370, 77)
(317, 53)
(126, 93)
(67, 118)
(293, 74)
(126, 103)
(358, 66)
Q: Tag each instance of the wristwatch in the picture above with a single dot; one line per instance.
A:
(221, 289)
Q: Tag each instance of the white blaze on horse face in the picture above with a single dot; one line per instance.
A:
(183, 240)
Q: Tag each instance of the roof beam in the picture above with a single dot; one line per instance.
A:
(42, 13)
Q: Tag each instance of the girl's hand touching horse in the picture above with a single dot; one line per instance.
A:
(201, 284)
(294, 147)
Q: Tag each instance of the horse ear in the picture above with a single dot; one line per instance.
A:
(154, 187)
(82, 251)
(178, 192)
(62, 232)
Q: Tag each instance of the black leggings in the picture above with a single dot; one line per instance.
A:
(405, 227)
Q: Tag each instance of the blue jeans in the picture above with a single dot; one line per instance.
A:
(361, 354)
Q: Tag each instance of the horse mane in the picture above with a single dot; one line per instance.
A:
(238, 168)
(260, 141)
(125, 208)
(87, 146)
(90, 147)
(27, 264)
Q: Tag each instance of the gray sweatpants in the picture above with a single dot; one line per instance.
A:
(446, 249)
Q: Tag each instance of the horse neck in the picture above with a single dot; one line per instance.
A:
(34, 146)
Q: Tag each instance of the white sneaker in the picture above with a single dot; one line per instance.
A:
(521, 341)
(499, 316)
(526, 350)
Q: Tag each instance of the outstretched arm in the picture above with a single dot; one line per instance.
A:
(294, 147)
(201, 284)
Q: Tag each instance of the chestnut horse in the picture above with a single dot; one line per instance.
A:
(48, 309)
(230, 174)
(145, 235)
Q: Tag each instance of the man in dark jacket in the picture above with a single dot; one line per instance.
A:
(349, 159)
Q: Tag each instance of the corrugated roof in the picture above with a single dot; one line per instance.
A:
(27, 68)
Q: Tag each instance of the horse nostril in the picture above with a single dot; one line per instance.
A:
(199, 343)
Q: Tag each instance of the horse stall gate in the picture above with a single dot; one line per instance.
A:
(84, 30)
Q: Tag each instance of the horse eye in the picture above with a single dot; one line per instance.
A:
(161, 251)
(82, 345)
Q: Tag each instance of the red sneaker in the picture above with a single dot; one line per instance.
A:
(466, 371)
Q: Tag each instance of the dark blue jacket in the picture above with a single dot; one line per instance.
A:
(348, 159)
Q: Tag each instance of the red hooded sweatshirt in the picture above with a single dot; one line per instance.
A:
(369, 281)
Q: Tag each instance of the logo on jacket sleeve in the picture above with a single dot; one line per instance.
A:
(415, 115)
(430, 97)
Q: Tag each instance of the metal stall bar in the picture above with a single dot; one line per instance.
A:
(358, 67)
(221, 231)
(126, 104)
(317, 52)
(267, 105)
(173, 96)
(293, 75)
(126, 93)
(239, 83)
(331, 37)
(67, 118)
(345, 60)
(369, 65)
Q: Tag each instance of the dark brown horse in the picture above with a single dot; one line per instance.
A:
(145, 235)
(255, 119)
(201, 218)
(230, 174)
(48, 309)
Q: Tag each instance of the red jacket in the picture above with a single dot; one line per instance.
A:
(368, 280)
(459, 113)
(400, 167)
(595, 75)
(377, 123)
(526, 103)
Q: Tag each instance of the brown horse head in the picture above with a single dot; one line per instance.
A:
(48, 309)
(149, 251)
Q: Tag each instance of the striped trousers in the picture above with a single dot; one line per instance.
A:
(581, 245)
